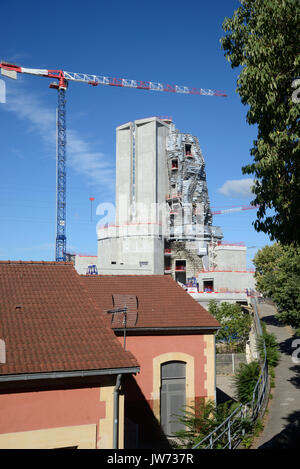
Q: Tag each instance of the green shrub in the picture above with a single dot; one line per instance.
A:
(272, 351)
(200, 420)
(245, 380)
(258, 427)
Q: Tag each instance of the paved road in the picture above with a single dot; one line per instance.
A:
(282, 428)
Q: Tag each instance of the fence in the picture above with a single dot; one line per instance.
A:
(229, 434)
(227, 363)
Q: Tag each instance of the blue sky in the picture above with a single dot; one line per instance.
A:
(176, 43)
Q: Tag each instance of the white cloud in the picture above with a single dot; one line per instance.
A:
(81, 157)
(237, 188)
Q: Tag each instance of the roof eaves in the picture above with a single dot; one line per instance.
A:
(68, 374)
(179, 328)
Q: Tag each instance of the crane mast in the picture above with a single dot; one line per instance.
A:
(11, 70)
(61, 239)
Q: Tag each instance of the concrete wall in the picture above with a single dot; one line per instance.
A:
(228, 281)
(82, 263)
(124, 191)
(229, 257)
(141, 173)
(134, 244)
(131, 255)
(205, 298)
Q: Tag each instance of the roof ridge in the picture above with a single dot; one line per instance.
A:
(126, 275)
(37, 262)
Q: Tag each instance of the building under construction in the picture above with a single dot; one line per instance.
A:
(163, 220)
(162, 204)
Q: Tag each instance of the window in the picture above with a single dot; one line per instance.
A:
(208, 285)
(142, 263)
(180, 265)
(172, 395)
(175, 163)
(113, 262)
(188, 150)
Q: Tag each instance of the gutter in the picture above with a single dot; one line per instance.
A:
(68, 374)
(163, 329)
(116, 413)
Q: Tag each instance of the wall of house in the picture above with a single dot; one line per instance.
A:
(60, 417)
(142, 394)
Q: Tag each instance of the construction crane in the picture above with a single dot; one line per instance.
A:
(62, 79)
(235, 209)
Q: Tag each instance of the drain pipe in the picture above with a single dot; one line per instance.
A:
(215, 336)
(116, 413)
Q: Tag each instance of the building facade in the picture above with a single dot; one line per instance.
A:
(173, 339)
(161, 198)
(76, 373)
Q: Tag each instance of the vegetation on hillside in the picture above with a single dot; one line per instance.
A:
(263, 39)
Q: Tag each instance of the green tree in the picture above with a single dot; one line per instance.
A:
(263, 39)
(278, 277)
(235, 324)
(266, 263)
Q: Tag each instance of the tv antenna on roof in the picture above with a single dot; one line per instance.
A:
(124, 312)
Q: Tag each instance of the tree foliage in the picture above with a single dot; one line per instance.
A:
(263, 38)
(278, 277)
(235, 324)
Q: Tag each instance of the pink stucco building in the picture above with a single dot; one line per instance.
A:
(66, 373)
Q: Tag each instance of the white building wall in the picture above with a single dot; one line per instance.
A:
(228, 281)
(230, 257)
(83, 262)
(123, 173)
(135, 243)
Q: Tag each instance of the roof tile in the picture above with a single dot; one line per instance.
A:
(56, 327)
(162, 302)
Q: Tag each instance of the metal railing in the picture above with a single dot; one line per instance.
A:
(229, 434)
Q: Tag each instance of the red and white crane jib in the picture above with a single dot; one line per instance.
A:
(63, 77)
(235, 209)
(11, 70)
(96, 80)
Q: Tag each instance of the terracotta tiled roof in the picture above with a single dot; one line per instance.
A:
(162, 302)
(49, 322)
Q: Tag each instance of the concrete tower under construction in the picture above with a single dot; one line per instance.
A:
(163, 220)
